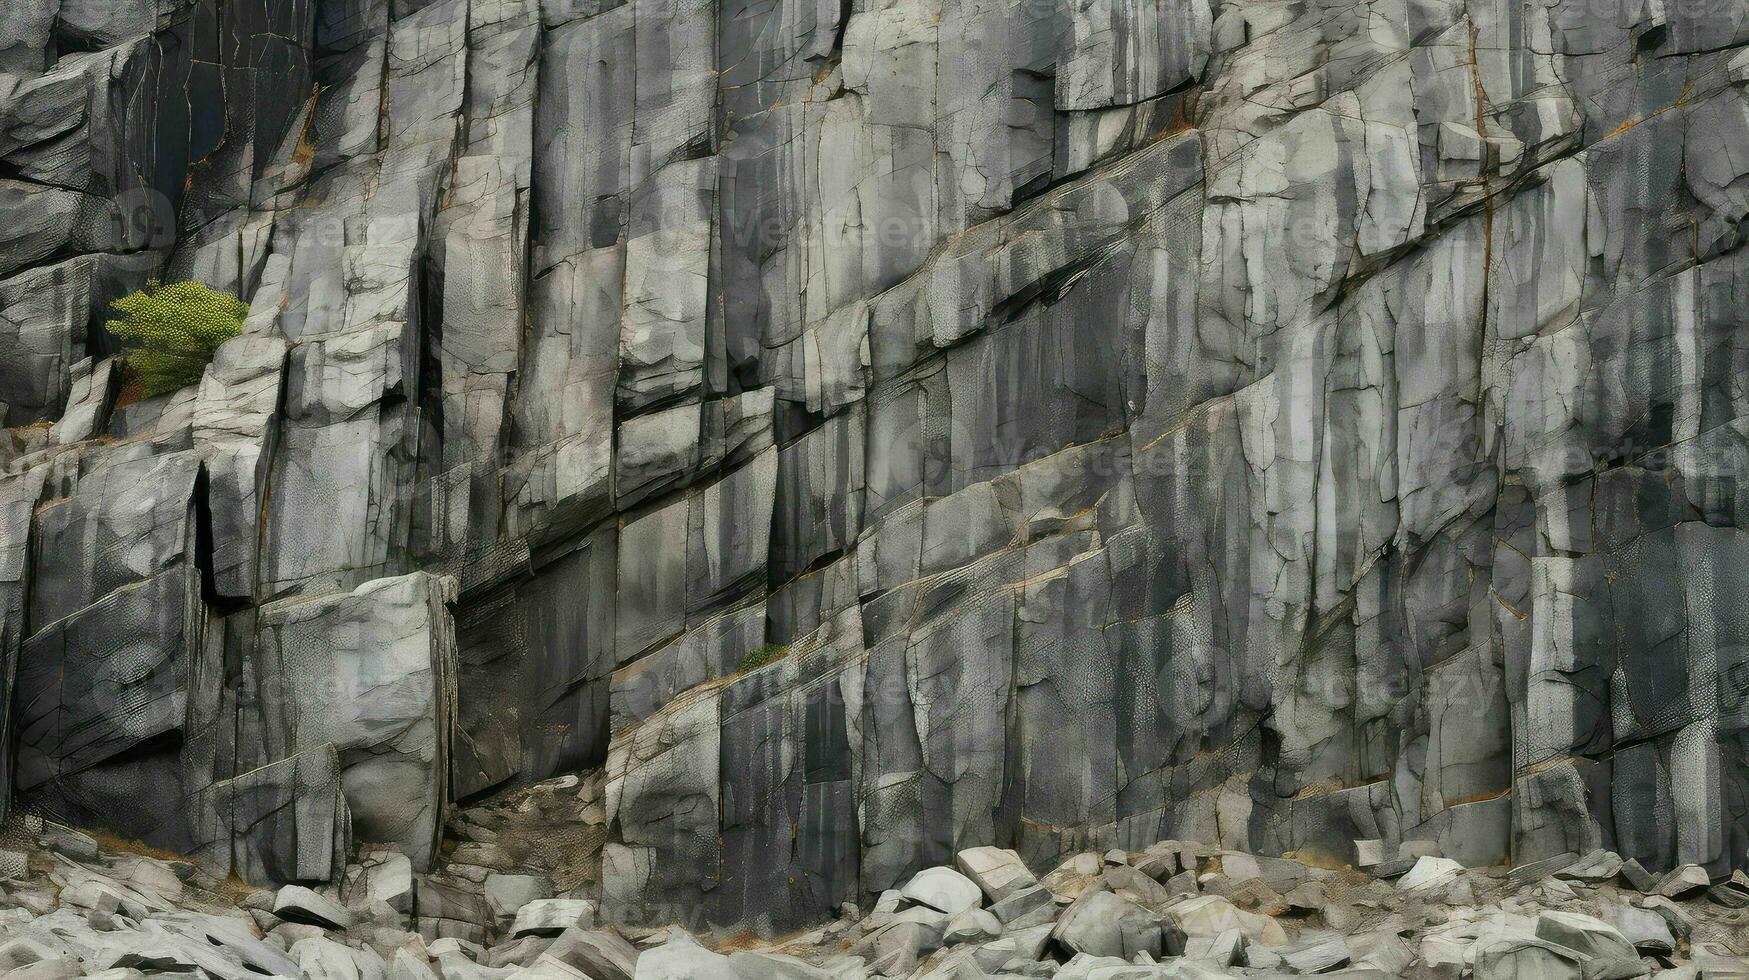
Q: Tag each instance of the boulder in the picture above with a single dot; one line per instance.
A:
(1211, 915)
(545, 967)
(1085, 966)
(998, 872)
(971, 926)
(295, 903)
(1643, 929)
(407, 965)
(1382, 950)
(1597, 866)
(1025, 908)
(1318, 952)
(1527, 959)
(942, 889)
(1444, 956)
(518, 952)
(1729, 894)
(1535, 871)
(1074, 876)
(1308, 897)
(682, 958)
(70, 843)
(289, 934)
(1026, 945)
(1133, 885)
(775, 966)
(887, 902)
(1183, 883)
(1280, 874)
(600, 953)
(23, 952)
(1192, 970)
(1225, 949)
(1607, 954)
(1159, 861)
(389, 879)
(552, 916)
(1717, 960)
(508, 894)
(1430, 873)
(64, 968)
(457, 946)
(1684, 881)
(1637, 877)
(230, 936)
(320, 957)
(1102, 924)
(372, 675)
(894, 949)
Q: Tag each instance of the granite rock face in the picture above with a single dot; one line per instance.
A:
(862, 433)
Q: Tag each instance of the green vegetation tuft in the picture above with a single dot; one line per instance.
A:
(170, 332)
(769, 653)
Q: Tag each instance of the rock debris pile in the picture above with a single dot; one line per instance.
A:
(1174, 910)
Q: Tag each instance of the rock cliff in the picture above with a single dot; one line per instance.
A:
(857, 432)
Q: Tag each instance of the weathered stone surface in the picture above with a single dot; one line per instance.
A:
(91, 391)
(286, 821)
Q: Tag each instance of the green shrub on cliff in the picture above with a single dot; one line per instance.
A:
(171, 331)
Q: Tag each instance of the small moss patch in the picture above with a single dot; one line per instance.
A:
(769, 653)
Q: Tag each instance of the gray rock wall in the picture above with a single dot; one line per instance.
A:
(1269, 424)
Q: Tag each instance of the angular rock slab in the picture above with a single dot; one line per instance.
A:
(372, 673)
(997, 871)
